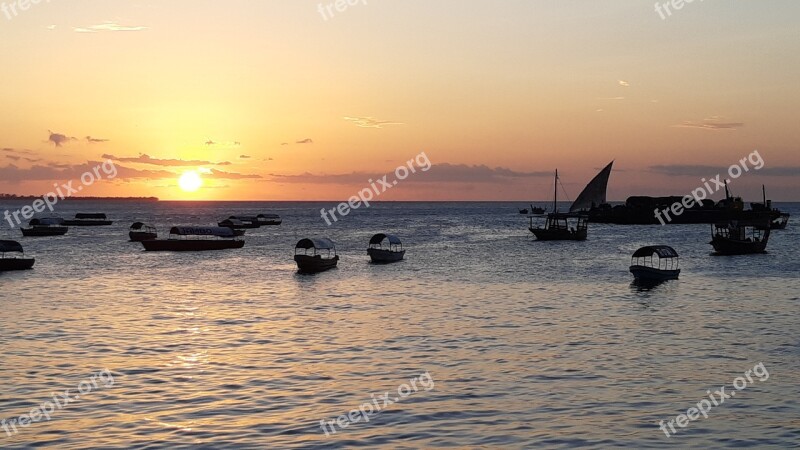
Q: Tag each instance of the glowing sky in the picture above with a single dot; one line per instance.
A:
(270, 100)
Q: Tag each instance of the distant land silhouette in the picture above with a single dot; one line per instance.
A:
(116, 199)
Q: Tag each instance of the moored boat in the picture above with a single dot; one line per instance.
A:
(88, 220)
(268, 219)
(315, 262)
(740, 237)
(562, 226)
(140, 231)
(10, 261)
(666, 265)
(49, 226)
(239, 223)
(392, 252)
(194, 239)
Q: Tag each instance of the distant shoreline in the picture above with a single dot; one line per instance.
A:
(115, 199)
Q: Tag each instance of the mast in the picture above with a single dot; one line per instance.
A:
(764, 193)
(555, 193)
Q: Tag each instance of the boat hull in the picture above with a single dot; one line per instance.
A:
(725, 246)
(315, 264)
(190, 245)
(652, 274)
(559, 235)
(139, 236)
(43, 232)
(382, 256)
(11, 264)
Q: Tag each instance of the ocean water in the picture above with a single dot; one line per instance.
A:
(520, 344)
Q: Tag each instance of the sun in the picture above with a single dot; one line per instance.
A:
(190, 181)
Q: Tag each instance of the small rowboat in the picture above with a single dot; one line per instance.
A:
(393, 251)
(315, 262)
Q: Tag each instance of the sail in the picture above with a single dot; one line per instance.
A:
(594, 194)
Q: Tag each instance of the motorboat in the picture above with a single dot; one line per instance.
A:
(315, 262)
(88, 220)
(268, 219)
(392, 252)
(238, 223)
(740, 237)
(655, 263)
(194, 239)
(780, 222)
(573, 226)
(538, 210)
(48, 226)
(9, 259)
(142, 232)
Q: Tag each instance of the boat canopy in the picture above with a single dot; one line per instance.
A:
(47, 221)
(10, 246)
(317, 243)
(233, 221)
(137, 226)
(268, 216)
(202, 231)
(662, 251)
(98, 216)
(594, 194)
(378, 238)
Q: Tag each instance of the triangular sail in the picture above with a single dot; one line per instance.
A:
(594, 194)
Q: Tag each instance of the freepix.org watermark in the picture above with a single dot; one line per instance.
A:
(714, 399)
(378, 404)
(12, 9)
(339, 5)
(676, 5)
(64, 191)
(46, 410)
(706, 190)
(367, 194)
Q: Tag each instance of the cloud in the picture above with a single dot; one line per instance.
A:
(688, 170)
(369, 122)
(244, 157)
(623, 83)
(108, 26)
(712, 123)
(210, 142)
(305, 141)
(92, 140)
(17, 151)
(147, 159)
(284, 143)
(611, 98)
(438, 173)
(59, 139)
(219, 174)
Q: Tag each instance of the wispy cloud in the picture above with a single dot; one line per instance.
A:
(438, 173)
(92, 140)
(305, 141)
(711, 123)
(244, 157)
(370, 122)
(147, 159)
(108, 26)
(623, 83)
(611, 98)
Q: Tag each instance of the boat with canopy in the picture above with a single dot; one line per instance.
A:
(392, 252)
(739, 237)
(141, 231)
(321, 258)
(193, 239)
(48, 226)
(12, 257)
(88, 220)
(655, 263)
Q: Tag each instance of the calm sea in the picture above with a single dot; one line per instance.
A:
(526, 344)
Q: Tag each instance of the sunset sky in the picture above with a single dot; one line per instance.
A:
(274, 100)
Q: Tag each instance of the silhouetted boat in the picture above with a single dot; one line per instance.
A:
(9, 262)
(142, 232)
(393, 251)
(779, 220)
(193, 239)
(665, 267)
(537, 210)
(523, 211)
(740, 238)
(561, 226)
(48, 226)
(88, 220)
(315, 262)
(238, 223)
(268, 219)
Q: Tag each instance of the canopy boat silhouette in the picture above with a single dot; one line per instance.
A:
(13, 262)
(193, 239)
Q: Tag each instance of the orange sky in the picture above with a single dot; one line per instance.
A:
(274, 100)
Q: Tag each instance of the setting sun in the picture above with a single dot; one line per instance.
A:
(190, 181)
